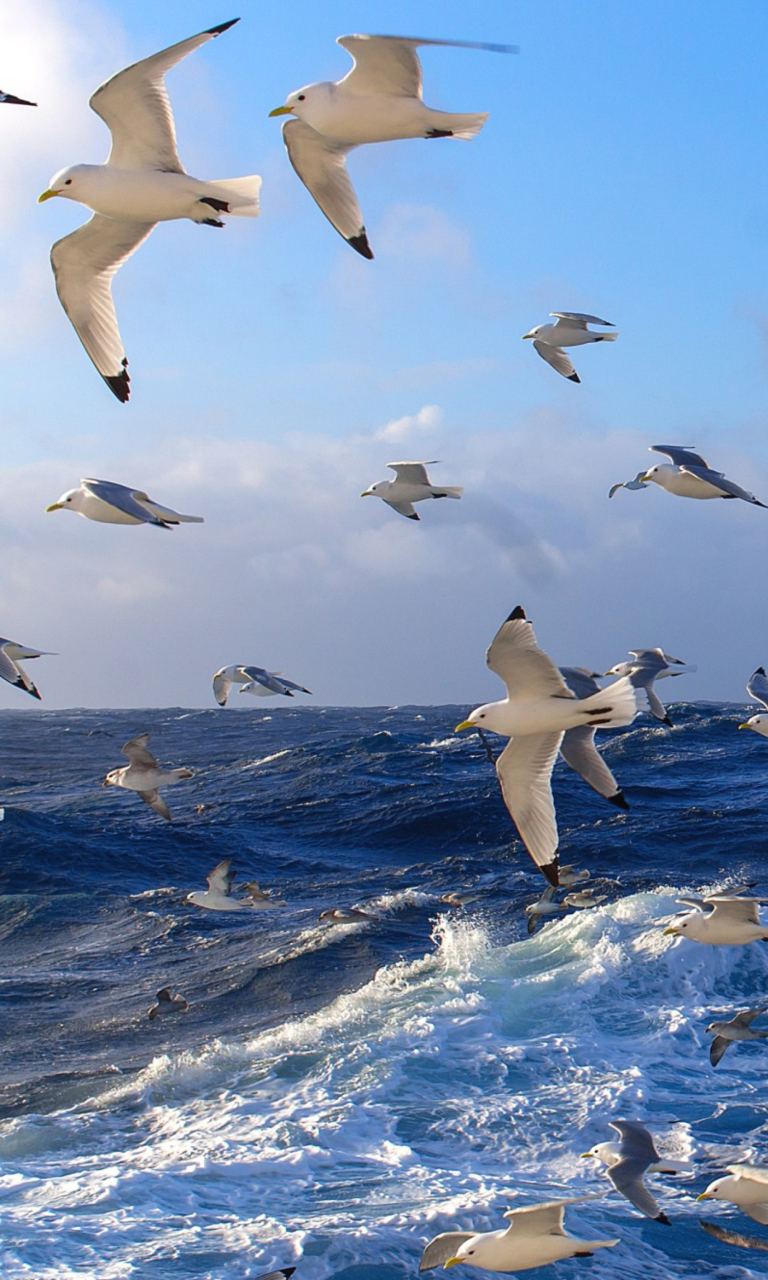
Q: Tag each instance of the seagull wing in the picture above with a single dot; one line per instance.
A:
(526, 670)
(390, 64)
(290, 685)
(404, 509)
(581, 682)
(137, 752)
(557, 358)
(443, 1247)
(221, 879)
(221, 687)
(579, 751)
(635, 1141)
(135, 107)
(747, 1016)
(124, 499)
(637, 483)
(524, 770)
(717, 1048)
(15, 674)
(627, 1177)
(717, 479)
(156, 802)
(581, 319)
(321, 164)
(83, 266)
(258, 675)
(757, 687)
(411, 472)
(743, 910)
(734, 1237)
(539, 1219)
(680, 455)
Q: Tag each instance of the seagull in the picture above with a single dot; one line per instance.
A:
(584, 899)
(344, 915)
(218, 895)
(578, 745)
(734, 1237)
(757, 688)
(722, 921)
(570, 330)
(283, 1274)
(636, 1155)
(646, 666)
(14, 101)
(110, 503)
(143, 774)
(379, 100)
(166, 1003)
(638, 483)
(747, 1188)
(255, 680)
(545, 906)
(537, 710)
(10, 669)
(571, 874)
(687, 475)
(459, 898)
(535, 1237)
(411, 484)
(141, 184)
(737, 1028)
(610, 1154)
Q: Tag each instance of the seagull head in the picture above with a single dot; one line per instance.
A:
(481, 718)
(296, 104)
(373, 490)
(651, 474)
(112, 779)
(66, 500)
(534, 333)
(758, 723)
(63, 183)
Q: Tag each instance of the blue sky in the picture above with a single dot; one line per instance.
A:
(275, 373)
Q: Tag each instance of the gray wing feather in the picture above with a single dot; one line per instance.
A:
(636, 1141)
(156, 802)
(443, 1247)
(757, 687)
(680, 455)
(717, 479)
(627, 1177)
(137, 752)
(404, 509)
(557, 358)
(320, 163)
(581, 318)
(125, 499)
(717, 1048)
(747, 1016)
(525, 668)
(390, 64)
(259, 676)
(524, 770)
(579, 751)
(290, 685)
(579, 681)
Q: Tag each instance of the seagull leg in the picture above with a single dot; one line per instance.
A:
(487, 746)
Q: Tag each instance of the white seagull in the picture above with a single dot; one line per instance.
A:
(569, 330)
(747, 1188)
(218, 895)
(411, 484)
(254, 680)
(538, 709)
(379, 100)
(545, 906)
(721, 921)
(535, 1237)
(687, 475)
(167, 1003)
(757, 688)
(646, 666)
(141, 184)
(739, 1027)
(144, 775)
(13, 100)
(111, 503)
(636, 1155)
(10, 668)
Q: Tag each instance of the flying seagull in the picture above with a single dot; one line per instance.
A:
(747, 1188)
(218, 896)
(379, 100)
(411, 484)
(722, 921)
(535, 1237)
(14, 101)
(737, 1028)
(110, 503)
(12, 671)
(636, 1155)
(254, 680)
(141, 184)
(578, 745)
(646, 666)
(687, 475)
(537, 710)
(757, 688)
(144, 775)
(167, 1003)
(569, 330)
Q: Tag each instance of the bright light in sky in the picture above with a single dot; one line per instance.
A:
(275, 372)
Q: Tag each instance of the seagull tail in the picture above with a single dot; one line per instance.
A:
(241, 194)
(449, 491)
(608, 337)
(612, 707)
(467, 127)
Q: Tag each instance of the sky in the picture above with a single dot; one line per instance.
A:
(275, 372)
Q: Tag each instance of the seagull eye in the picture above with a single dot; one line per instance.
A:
(68, 182)
(301, 97)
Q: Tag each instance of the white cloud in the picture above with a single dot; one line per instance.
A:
(428, 418)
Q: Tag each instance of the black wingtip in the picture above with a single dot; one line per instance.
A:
(119, 384)
(17, 102)
(517, 614)
(360, 243)
(224, 26)
(619, 800)
(35, 693)
(669, 723)
(574, 377)
(662, 1218)
(415, 516)
(760, 671)
(552, 871)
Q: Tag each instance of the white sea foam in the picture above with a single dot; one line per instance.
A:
(426, 1100)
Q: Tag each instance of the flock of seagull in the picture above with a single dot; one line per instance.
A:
(548, 711)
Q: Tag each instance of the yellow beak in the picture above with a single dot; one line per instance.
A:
(526, 335)
(465, 724)
(586, 1155)
(280, 111)
(452, 1262)
(55, 506)
(671, 929)
(47, 195)
(367, 494)
(704, 1196)
(745, 726)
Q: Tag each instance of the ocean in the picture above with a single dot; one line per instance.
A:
(336, 1095)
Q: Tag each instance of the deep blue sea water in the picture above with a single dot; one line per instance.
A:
(336, 1095)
